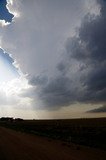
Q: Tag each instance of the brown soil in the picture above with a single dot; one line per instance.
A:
(21, 146)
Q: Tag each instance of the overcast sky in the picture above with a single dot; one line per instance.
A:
(53, 58)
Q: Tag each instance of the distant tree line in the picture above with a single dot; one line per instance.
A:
(10, 119)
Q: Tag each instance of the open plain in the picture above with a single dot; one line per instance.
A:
(15, 145)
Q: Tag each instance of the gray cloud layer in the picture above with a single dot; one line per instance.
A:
(82, 74)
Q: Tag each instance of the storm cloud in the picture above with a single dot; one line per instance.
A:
(64, 66)
(82, 75)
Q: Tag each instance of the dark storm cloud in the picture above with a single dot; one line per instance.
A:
(89, 48)
(38, 80)
(98, 110)
(97, 79)
(61, 67)
(90, 45)
(57, 92)
(82, 78)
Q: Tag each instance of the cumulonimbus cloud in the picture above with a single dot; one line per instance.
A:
(80, 75)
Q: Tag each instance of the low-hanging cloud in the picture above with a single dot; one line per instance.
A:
(98, 110)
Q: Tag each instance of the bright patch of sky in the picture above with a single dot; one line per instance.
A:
(4, 14)
(12, 81)
(7, 69)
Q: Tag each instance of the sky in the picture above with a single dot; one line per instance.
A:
(52, 58)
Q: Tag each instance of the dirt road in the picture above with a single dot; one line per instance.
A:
(21, 146)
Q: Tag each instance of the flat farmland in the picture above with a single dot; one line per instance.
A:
(77, 139)
(21, 146)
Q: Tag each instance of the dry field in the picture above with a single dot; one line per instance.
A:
(87, 132)
(15, 145)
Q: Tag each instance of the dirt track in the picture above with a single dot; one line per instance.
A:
(20, 146)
